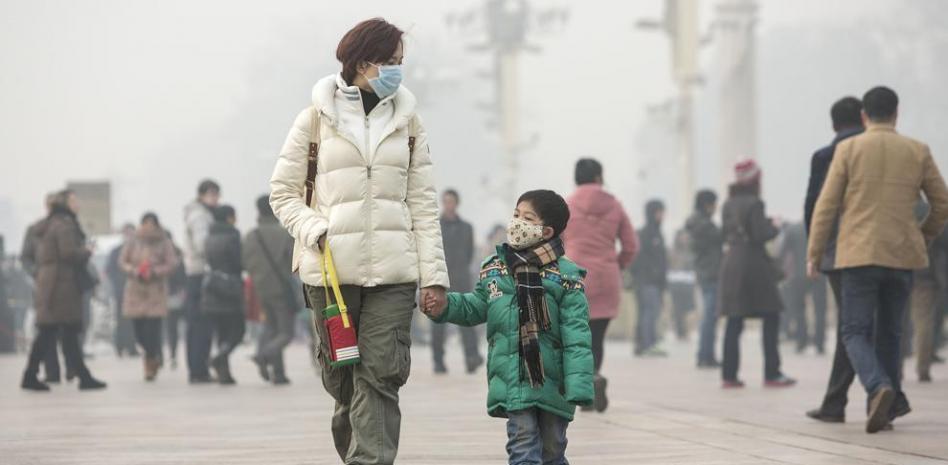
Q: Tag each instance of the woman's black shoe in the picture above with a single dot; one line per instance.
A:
(90, 384)
(32, 383)
(222, 368)
(262, 367)
(818, 415)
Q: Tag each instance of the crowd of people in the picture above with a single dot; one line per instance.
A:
(352, 230)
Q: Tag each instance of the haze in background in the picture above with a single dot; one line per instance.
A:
(155, 96)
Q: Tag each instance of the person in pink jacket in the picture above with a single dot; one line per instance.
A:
(597, 221)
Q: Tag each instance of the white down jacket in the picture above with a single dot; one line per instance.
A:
(375, 202)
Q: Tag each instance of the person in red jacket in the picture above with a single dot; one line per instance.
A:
(597, 222)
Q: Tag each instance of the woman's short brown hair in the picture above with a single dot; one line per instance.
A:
(374, 40)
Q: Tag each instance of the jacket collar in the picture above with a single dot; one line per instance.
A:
(884, 127)
(847, 133)
(326, 91)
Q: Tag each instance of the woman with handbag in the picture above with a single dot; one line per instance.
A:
(355, 178)
(222, 296)
(61, 260)
(749, 277)
(148, 259)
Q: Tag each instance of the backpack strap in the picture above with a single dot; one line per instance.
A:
(313, 157)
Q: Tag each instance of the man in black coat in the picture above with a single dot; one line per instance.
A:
(650, 276)
(847, 122)
(222, 249)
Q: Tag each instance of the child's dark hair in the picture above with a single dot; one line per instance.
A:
(551, 207)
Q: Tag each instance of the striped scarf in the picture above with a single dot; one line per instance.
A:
(531, 298)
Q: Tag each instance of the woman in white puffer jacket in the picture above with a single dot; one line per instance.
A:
(374, 204)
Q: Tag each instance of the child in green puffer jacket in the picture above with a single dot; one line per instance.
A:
(539, 361)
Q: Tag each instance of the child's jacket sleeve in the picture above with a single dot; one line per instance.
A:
(468, 309)
(577, 347)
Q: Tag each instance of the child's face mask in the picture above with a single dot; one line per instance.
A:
(522, 234)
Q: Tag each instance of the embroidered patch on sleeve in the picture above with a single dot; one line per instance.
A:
(494, 269)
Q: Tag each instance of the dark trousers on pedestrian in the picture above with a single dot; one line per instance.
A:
(366, 423)
(874, 301)
(795, 292)
(229, 330)
(732, 346)
(842, 373)
(198, 335)
(709, 323)
(51, 360)
(649, 302)
(469, 343)
(277, 332)
(173, 329)
(598, 327)
(123, 337)
(148, 335)
(45, 342)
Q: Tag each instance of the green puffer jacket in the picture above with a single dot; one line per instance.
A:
(565, 348)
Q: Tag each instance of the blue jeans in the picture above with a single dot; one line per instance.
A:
(649, 300)
(536, 437)
(709, 323)
(875, 297)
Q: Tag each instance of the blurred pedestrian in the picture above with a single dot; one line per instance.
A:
(458, 236)
(872, 187)
(597, 223)
(749, 277)
(28, 258)
(650, 277)
(355, 175)
(61, 258)
(198, 217)
(177, 303)
(707, 245)
(681, 283)
(268, 258)
(797, 286)
(222, 298)
(846, 115)
(148, 259)
(123, 337)
(928, 287)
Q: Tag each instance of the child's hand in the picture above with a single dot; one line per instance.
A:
(432, 307)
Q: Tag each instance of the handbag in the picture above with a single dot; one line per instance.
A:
(340, 331)
(223, 286)
(86, 278)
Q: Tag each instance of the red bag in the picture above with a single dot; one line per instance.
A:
(340, 330)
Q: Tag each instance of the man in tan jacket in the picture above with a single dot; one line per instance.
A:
(873, 185)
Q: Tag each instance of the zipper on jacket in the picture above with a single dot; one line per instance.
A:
(370, 203)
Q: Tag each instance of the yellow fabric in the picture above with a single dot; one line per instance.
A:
(329, 269)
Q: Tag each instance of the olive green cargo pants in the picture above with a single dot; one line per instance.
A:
(367, 420)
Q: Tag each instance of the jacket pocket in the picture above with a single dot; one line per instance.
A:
(400, 363)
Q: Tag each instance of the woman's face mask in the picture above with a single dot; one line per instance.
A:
(388, 80)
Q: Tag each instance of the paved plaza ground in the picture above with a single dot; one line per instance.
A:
(663, 411)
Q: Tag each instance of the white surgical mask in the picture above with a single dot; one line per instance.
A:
(523, 234)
